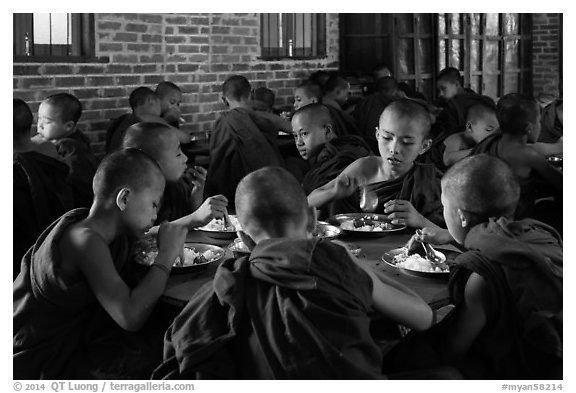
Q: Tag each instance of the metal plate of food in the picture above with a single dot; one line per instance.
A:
(325, 230)
(217, 229)
(197, 256)
(238, 248)
(365, 224)
(415, 263)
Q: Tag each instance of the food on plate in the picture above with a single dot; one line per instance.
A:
(364, 225)
(191, 257)
(218, 225)
(416, 262)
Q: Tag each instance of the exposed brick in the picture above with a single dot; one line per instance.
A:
(144, 68)
(187, 67)
(175, 20)
(240, 67)
(153, 79)
(240, 31)
(126, 37)
(150, 18)
(139, 47)
(152, 59)
(57, 70)
(177, 39)
(99, 81)
(200, 21)
(21, 69)
(207, 78)
(198, 58)
(219, 49)
(110, 47)
(90, 69)
(109, 25)
(205, 30)
(188, 30)
(220, 30)
(113, 92)
(220, 68)
(127, 80)
(188, 48)
(85, 93)
(121, 58)
(69, 81)
(151, 38)
(119, 69)
(136, 27)
(198, 39)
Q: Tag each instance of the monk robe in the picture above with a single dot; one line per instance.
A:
(76, 153)
(452, 120)
(41, 194)
(552, 129)
(367, 115)
(117, 129)
(522, 264)
(420, 185)
(344, 124)
(60, 329)
(328, 162)
(176, 201)
(296, 309)
(241, 142)
(525, 208)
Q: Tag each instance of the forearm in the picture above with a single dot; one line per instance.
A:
(320, 196)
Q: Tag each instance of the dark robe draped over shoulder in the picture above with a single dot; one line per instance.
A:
(176, 201)
(76, 153)
(344, 124)
(117, 129)
(296, 309)
(522, 265)
(525, 208)
(522, 262)
(420, 186)
(452, 119)
(328, 163)
(241, 142)
(367, 115)
(41, 194)
(552, 128)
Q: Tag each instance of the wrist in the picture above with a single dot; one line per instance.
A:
(162, 268)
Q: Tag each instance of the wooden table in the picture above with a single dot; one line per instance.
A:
(181, 288)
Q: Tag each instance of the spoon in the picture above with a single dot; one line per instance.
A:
(368, 200)
(432, 255)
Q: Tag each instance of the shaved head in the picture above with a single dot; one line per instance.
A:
(483, 185)
(270, 199)
(314, 115)
(152, 138)
(128, 168)
(408, 110)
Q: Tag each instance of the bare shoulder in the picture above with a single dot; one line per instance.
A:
(477, 292)
(455, 142)
(364, 167)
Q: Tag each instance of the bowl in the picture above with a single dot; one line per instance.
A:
(448, 256)
(208, 254)
(238, 248)
(356, 224)
(325, 230)
(216, 230)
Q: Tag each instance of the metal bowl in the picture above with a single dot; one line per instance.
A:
(449, 256)
(325, 230)
(219, 234)
(238, 248)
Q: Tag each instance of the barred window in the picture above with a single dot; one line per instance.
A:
(53, 37)
(297, 36)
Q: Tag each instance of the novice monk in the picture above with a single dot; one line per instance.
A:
(40, 192)
(170, 96)
(145, 106)
(263, 100)
(243, 140)
(297, 308)
(507, 323)
(69, 298)
(183, 196)
(327, 153)
(58, 117)
(408, 192)
(336, 94)
(519, 119)
(367, 112)
(307, 93)
(481, 122)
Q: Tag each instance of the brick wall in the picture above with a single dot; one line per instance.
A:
(546, 54)
(195, 51)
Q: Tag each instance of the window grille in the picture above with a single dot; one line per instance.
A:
(298, 36)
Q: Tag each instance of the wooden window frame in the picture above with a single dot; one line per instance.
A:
(81, 49)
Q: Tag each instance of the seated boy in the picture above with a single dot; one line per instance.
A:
(40, 192)
(69, 298)
(243, 140)
(306, 93)
(507, 323)
(58, 117)
(481, 122)
(263, 100)
(146, 106)
(456, 100)
(550, 141)
(336, 94)
(170, 96)
(408, 192)
(182, 201)
(297, 308)
(327, 154)
(519, 119)
(367, 112)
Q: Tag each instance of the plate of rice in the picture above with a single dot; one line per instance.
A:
(196, 256)
(217, 229)
(365, 224)
(416, 264)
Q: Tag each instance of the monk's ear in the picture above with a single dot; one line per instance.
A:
(469, 126)
(314, 100)
(225, 101)
(69, 126)
(122, 198)
(329, 131)
(464, 218)
(426, 144)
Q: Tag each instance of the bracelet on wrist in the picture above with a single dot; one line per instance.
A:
(164, 268)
